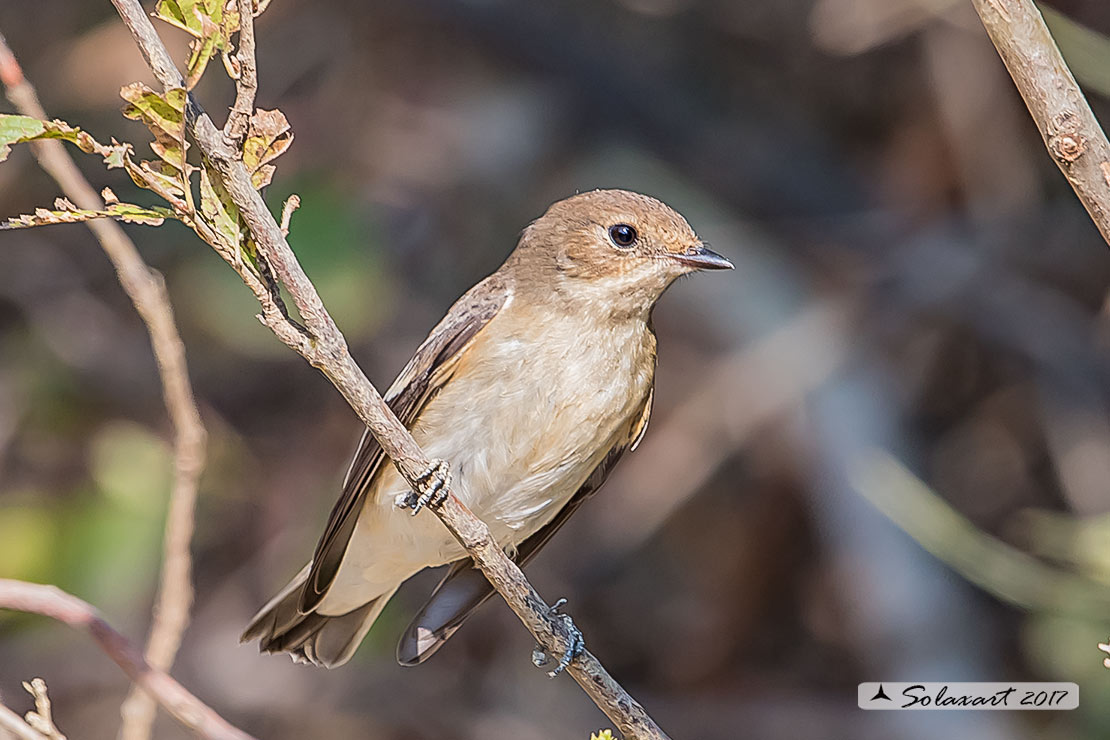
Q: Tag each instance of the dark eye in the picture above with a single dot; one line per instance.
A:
(623, 235)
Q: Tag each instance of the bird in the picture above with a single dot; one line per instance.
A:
(526, 394)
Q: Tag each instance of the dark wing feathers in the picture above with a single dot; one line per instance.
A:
(427, 370)
(464, 588)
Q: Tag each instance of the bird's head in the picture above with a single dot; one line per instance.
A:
(613, 246)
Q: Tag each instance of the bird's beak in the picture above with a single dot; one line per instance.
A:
(702, 257)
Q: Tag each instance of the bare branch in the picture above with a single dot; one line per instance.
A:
(11, 722)
(42, 718)
(50, 601)
(247, 85)
(326, 349)
(147, 292)
(292, 203)
(1071, 132)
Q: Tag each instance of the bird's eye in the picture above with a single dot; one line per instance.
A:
(623, 235)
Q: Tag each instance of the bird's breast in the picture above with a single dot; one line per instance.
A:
(533, 406)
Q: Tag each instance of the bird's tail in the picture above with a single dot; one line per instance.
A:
(320, 639)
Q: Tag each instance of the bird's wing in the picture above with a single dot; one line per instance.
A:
(464, 588)
(431, 367)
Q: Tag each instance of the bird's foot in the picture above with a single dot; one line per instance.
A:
(576, 644)
(432, 487)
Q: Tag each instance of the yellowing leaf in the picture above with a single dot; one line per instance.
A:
(218, 209)
(211, 23)
(164, 115)
(208, 23)
(602, 735)
(201, 52)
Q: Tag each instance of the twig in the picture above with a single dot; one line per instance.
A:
(326, 349)
(292, 203)
(246, 86)
(12, 723)
(1071, 132)
(50, 601)
(147, 292)
(42, 718)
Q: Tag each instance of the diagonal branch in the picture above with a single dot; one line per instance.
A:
(11, 723)
(326, 350)
(50, 601)
(1071, 132)
(147, 292)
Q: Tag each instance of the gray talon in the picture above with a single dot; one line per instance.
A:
(433, 485)
(576, 643)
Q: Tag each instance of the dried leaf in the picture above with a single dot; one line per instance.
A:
(267, 138)
(67, 213)
(167, 177)
(262, 176)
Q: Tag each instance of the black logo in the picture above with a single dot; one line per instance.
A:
(881, 694)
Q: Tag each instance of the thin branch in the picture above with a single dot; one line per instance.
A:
(42, 718)
(1071, 132)
(12, 723)
(326, 349)
(147, 292)
(292, 203)
(50, 601)
(246, 86)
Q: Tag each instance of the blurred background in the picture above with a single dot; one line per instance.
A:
(880, 448)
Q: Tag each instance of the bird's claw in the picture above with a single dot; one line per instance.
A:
(576, 644)
(432, 487)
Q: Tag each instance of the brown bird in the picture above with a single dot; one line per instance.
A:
(531, 388)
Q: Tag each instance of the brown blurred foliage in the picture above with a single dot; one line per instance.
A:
(913, 275)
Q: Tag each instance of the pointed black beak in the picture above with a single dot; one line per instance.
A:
(702, 257)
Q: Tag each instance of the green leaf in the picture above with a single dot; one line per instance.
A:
(188, 15)
(67, 213)
(20, 129)
(267, 138)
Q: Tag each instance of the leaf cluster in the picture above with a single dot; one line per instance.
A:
(192, 189)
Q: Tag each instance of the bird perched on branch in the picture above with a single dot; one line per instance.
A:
(529, 390)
